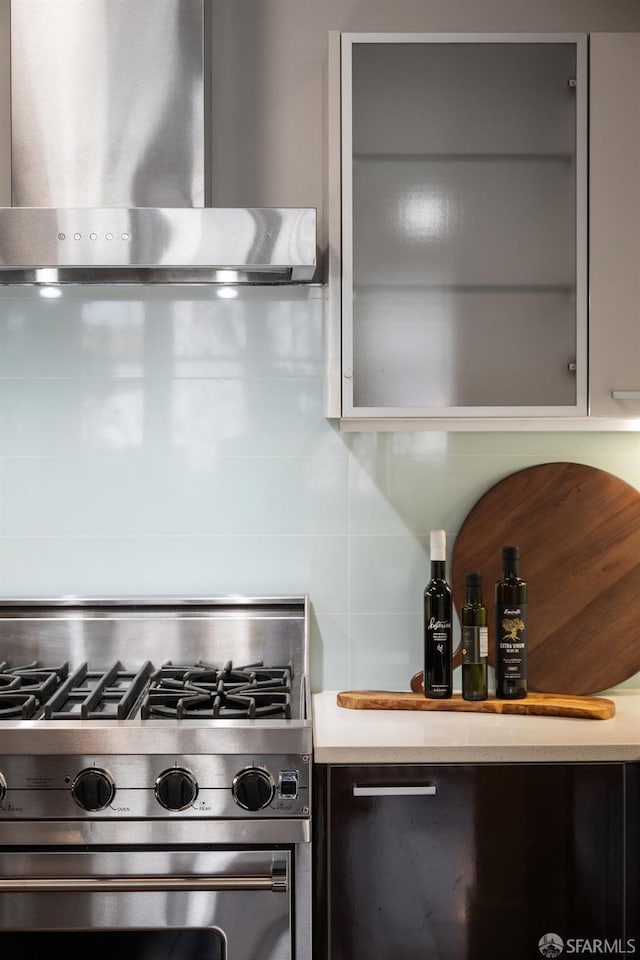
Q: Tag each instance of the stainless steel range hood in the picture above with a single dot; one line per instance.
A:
(109, 155)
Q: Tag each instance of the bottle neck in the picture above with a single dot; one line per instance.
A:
(438, 569)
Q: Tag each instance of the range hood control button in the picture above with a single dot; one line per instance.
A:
(253, 789)
(93, 789)
(176, 789)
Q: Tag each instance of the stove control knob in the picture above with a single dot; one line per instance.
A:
(3, 788)
(253, 788)
(176, 789)
(93, 789)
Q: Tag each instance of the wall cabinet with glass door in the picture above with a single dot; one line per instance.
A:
(458, 285)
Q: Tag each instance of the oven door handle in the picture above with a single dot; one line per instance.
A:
(275, 882)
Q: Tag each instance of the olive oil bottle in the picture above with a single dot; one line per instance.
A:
(511, 629)
(438, 654)
(475, 640)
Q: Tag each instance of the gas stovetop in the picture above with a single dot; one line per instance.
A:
(155, 675)
(172, 691)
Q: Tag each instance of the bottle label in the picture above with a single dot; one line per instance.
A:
(438, 657)
(511, 641)
(475, 644)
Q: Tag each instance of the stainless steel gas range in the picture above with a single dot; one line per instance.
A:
(155, 778)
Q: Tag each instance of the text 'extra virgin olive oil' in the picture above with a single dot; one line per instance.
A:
(475, 640)
(511, 629)
(438, 666)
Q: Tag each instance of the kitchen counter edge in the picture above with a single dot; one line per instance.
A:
(342, 735)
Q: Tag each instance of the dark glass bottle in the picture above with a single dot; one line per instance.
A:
(475, 641)
(438, 665)
(511, 629)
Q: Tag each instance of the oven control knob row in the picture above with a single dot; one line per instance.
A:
(253, 788)
(176, 789)
(93, 789)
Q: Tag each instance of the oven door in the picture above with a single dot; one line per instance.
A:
(147, 904)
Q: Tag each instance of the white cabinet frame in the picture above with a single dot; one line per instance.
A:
(339, 393)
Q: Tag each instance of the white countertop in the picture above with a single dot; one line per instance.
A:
(342, 735)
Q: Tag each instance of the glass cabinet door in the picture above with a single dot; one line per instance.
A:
(464, 225)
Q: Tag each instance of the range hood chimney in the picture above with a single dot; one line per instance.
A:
(109, 155)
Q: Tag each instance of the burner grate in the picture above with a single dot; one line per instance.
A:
(23, 690)
(202, 690)
(97, 694)
(199, 690)
(18, 706)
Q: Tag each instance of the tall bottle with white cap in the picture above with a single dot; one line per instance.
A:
(438, 654)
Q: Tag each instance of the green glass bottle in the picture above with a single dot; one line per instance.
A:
(475, 641)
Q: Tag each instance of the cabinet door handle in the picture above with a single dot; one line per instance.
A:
(428, 790)
(625, 394)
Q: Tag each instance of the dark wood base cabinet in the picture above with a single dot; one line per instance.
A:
(471, 862)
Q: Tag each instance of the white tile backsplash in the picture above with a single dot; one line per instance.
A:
(166, 441)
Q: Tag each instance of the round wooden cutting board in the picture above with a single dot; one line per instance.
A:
(578, 529)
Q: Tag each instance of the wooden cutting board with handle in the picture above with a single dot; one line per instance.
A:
(535, 704)
(578, 529)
